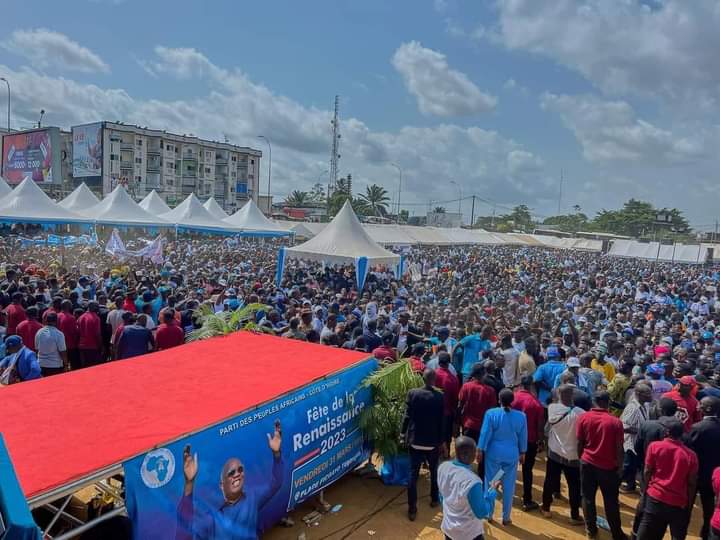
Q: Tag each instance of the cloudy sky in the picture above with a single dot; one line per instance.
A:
(498, 96)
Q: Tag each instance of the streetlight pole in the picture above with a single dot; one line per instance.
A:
(8, 104)
(399, 191)
(460, 199)
(269, 170)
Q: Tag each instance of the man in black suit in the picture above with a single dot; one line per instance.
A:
(422, 430)
(704, 440)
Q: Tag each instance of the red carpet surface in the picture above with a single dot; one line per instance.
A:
(65, 427)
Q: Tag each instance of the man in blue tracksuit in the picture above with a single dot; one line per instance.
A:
(503, 443)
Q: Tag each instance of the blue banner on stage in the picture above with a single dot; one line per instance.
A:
(236, 479)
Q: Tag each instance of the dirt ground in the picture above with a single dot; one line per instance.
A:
(371, 510)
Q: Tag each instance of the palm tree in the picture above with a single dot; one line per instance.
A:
(439, 210)
(298, 198)
(375, 199)
(577, 208)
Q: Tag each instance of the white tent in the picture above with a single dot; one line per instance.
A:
(80, 199)
(191, 214)
(250, 218)
(212, 206)
(118, 208)
(5, 188)
(154, 204)
(27, 203)
(343, 241)
(389, 235)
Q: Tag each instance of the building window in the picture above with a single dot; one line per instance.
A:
(207, 170)
(138, 178)
(138, 142)
(241, 188)
(176, 149)
(138, 160)
(161, 145)
(252, 162)
(234, 158)
(114, 157)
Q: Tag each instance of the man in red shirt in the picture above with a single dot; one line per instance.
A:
(449, 384)
(29, 327)
(67, 324)
(90, 337)
(526, 402)
(475, 399)
(55, 307)
(600, 447)
(15, 313)
(671, 478)
(688, 411)
(169, 334)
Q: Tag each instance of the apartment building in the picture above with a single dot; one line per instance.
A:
(174, 165)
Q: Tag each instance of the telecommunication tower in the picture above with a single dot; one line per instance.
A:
(335, 151)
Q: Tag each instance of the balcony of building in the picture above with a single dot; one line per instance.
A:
(124, 145)
(127, 165)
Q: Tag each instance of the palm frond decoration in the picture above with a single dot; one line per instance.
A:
(225, 322)
(382, 421)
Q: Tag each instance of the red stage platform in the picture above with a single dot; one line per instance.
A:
(64, 428)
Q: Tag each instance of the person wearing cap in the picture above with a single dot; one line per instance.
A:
(600, 437)
(20, 363)
(704, 440)
(655, 374)
(633, 415)
(526, 402)
(562, 455)
(545, 374)
(51, 348)
(688, 411)
(573, 366)
(601, 364)
(670, 474)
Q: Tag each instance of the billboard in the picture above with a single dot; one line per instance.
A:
(33, 153)
(266, 460)
(87, 150)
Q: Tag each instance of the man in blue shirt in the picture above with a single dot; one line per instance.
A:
(546, 373)
(20, 363)
(237, 517)
(473, 345)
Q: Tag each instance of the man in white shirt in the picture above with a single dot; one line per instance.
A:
(50, 346)
(634, 414)
(510, 371)
(562, 453)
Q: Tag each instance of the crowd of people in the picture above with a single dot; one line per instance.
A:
(607, 365)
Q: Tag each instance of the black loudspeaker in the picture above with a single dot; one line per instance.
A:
(605, 246)
(710, 255)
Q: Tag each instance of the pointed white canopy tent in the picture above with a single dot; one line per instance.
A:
(154, 204)
(343, 241)
(212, 206)
(118, 208)
(5, 188)
(191, 214)
(80, 199)
(251, 220)
(27, 203)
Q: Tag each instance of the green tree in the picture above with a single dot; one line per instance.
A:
(639, 218)
(439, 210)
(568, 223)
(521, 218)
(374, 201)
(404, 216)
(298, 198)
(342, 193)
(318, 194)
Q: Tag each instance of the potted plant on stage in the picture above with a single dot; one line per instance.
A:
(382, 421)
(226, 322)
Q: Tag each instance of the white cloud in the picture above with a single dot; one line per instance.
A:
(439, 89)
(667, 49)
(610, 131)
(53, 50)
(182, 62)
